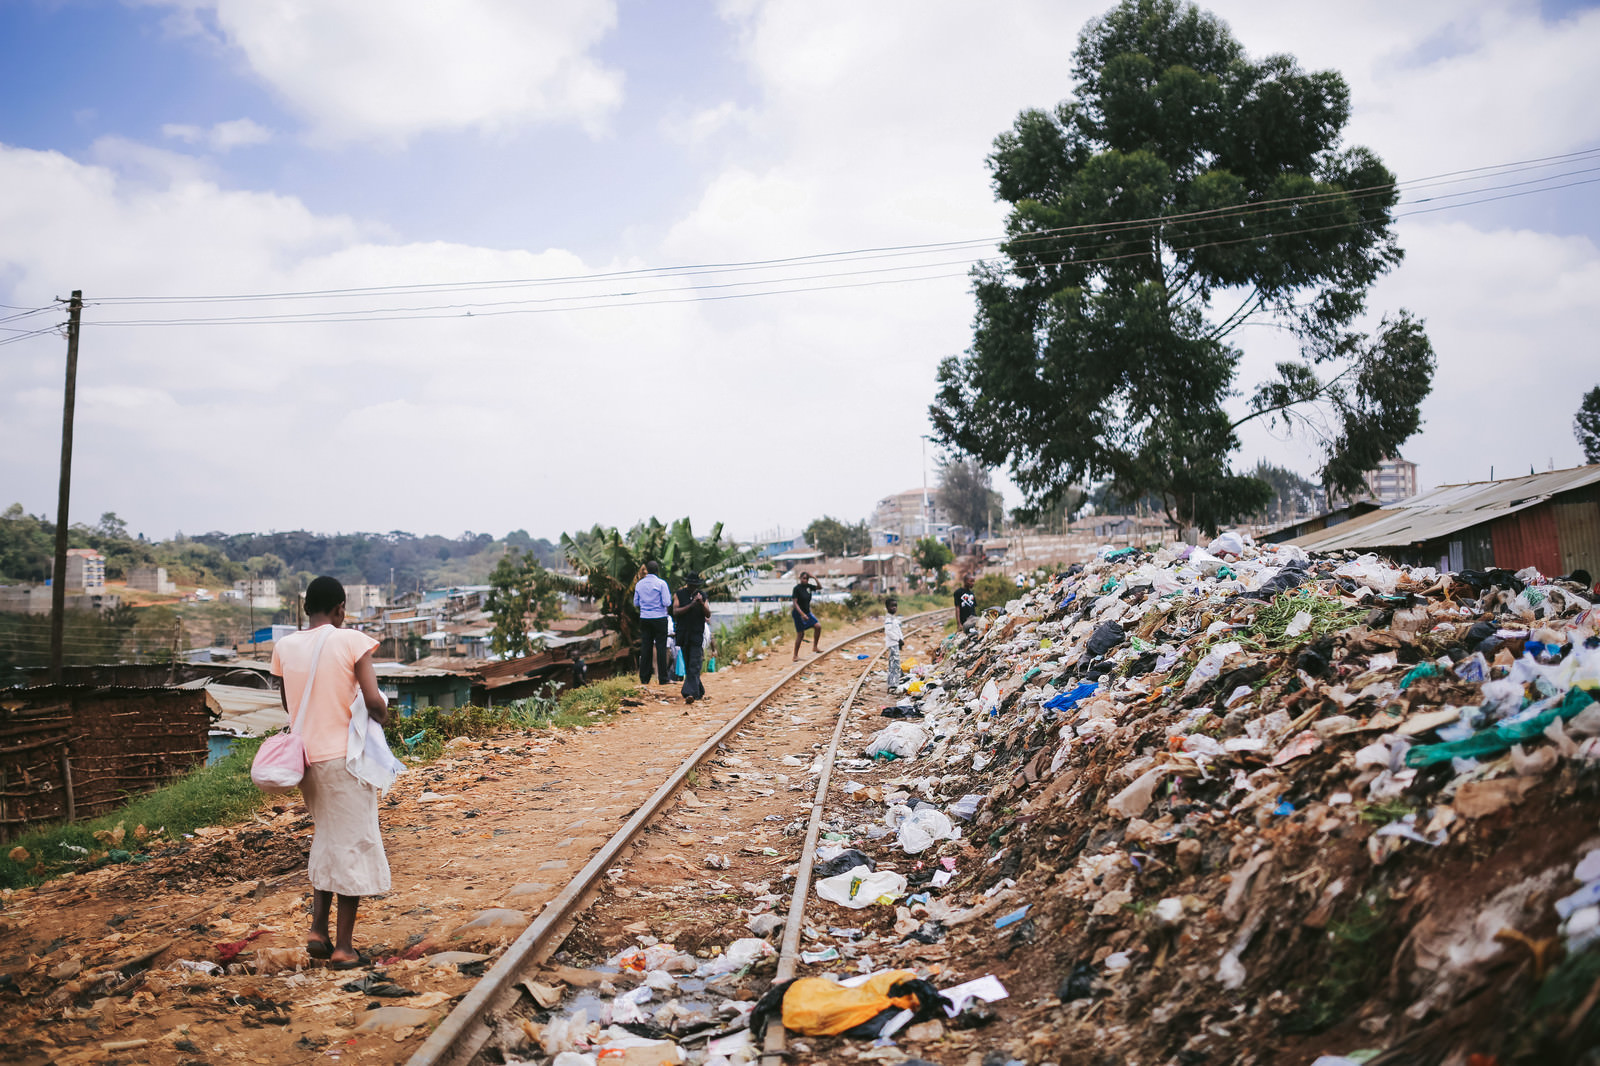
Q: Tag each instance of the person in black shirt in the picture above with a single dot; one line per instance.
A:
(966, 602)
(689, 613)
(800, 611)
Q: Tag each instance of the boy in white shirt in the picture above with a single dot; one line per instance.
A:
(893, 641)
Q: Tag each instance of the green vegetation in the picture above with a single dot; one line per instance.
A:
(830, 536)
(610, 564)
(524, 594)
(1182, 171)
(1359, 948)
(423, 734)
(994, 590)
(1328, 615)
(212, 795)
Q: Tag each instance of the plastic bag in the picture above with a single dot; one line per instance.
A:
(815, 1006)
(1229, 543)
(901, 739)
(861, 887)
(923, 828)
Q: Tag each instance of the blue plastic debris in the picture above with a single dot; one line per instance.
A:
(1065, 701)
(1012, 918)
(1283, 809)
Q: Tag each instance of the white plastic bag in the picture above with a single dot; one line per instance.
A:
(923, 828)
(860, 887)
(900, 739)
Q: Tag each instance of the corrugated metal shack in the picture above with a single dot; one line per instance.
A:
(1550, 521)
(67, 751)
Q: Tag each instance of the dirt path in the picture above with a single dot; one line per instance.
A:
(493, 826)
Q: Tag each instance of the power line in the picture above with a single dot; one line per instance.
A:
(623, 298)
(646, 273)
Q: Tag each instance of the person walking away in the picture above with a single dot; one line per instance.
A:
(653, 599)
(893, 641)
(966, 602)
(347, 857)
(800, 609)
(689, 612)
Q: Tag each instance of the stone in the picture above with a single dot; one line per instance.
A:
(388, 1019)
(1188, 856)
(495, 919)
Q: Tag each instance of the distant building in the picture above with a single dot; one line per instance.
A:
(151, 579)
(362, 601)
(907, 517)
(1394, 480)
(86, 570)
(259, 592)
(35, 599)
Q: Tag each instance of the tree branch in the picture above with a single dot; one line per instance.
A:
(1242, 312)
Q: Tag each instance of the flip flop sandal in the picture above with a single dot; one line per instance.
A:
(360, 962)
(319, 949)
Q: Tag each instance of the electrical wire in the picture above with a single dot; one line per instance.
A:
(617, 299)
(1451, 177)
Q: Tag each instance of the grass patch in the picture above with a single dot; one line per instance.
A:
(1328, 615)
(1360, 946)
(219, 794)
(423, 734)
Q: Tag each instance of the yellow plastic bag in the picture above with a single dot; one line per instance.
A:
(817, 1007)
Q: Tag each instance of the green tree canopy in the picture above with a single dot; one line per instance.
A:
(523, 594)
(1587, 425)
(830, 536)
(1182, 175)
(609, 564)
(966, 492)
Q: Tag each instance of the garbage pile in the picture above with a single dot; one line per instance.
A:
(1232, 803)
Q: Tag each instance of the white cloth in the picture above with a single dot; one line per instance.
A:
(891, 631)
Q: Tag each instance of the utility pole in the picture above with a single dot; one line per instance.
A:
(177, 635)
(58, 580)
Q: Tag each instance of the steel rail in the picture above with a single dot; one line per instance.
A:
(467, 1028)
(789, 954)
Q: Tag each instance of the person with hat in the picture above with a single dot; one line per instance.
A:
(689, 614)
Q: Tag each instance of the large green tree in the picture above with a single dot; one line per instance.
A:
(610, 563)
(523, 593)
(1586, 425)
(1185, 192)
(830, 536)
(966, 492)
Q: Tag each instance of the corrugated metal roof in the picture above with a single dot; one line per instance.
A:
(1447, 509)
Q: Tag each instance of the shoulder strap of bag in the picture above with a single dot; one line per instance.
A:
(305, 696)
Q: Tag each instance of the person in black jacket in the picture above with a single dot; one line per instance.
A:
(966, 602)
(689, 613)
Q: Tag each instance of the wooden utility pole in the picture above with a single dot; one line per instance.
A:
(58, 580)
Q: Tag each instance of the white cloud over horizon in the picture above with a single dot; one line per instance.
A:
(387, 70)
(868, 126)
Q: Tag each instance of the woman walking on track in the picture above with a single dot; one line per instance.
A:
(322, 669)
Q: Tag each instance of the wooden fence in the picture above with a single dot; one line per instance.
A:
(71, 751)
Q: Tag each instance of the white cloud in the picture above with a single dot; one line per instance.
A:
(386, 70)
(222, 137)
(868, 127)
(700, 126)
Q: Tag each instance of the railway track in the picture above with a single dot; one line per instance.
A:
(472, 1025)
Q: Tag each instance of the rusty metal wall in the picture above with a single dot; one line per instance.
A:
(74, 751)
(1528, 538)
(1578, 530)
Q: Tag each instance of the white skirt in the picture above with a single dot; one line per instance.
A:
(347, 847)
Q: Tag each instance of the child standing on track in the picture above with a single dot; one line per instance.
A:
(893, 641)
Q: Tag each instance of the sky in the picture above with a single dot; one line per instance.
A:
(580, 156)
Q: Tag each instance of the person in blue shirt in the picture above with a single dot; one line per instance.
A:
(654, 600)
